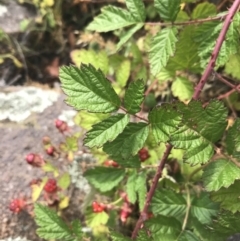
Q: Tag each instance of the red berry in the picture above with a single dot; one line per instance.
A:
(34, 160)
(143, 154)
(16, 205)
(46, 140)
(50, 150)
(58, 123)
(98, 207)
(30, 158)
(61, 125)
(51, 186)
(110, 163)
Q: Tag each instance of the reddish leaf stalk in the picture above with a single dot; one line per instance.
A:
(143, 215)
(217, 48)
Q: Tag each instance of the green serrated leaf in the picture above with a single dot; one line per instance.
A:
(186, 54)
(94, 220)
(134, 96)
(129, 142)
(107, 130)
(118, 237)
(164, 228)
(220, 173)
(200, 129)
(228, 197)
(182, 88)
(123, 73)
(137, 9)
(77, 229)
(204, 10)
(164, 121)
(168, 203)
(231, 66)
(203, 209)
(64, 181)
(111, 18)
(143, 236)
(128, 35)
(51, 225)
(168, 9)
(131, 162)
(162, 47)
(104, 178)
(88, 89)
(187, 236)
(233, 139)
(141, 189)
(131, 187)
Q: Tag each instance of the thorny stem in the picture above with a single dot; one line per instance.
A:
(227, 82)
(216, 50)
(143, 215)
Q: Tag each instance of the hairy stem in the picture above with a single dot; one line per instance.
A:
(217, 48)
(143, 215)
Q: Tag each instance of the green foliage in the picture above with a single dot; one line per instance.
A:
(137, 9)
(88, 89)
(53, 227)
(204, 10)
(163, 46)
(104, 178)
(167, 9)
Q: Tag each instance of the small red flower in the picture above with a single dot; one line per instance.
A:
(51, 186)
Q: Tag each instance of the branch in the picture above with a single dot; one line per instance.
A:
(195, 21)
(143, 215)
(216, 50)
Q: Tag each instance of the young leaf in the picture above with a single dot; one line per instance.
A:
(182, 88)
(111, 18)
(64, 181)
(220, 173)
(141, 189)
(164, 228)
(134, 96)
(104, 178)
(123, 73)
(168, 9)
(228, 197)
(203, 209)
(204, 10)
(231, 67)
(128, 35)
(164, 121)
(129, 142)
(88, 89)
(233, 139)
(162, 47)
(168, 203)
(107, 130)
(137, 9)
(51, 225)
(131, 187)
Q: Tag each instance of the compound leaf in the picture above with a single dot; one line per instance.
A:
(134, 96)
(88, 89)
(164, 121)
(111, 18)
(162, 47)
(104, 178)
(228, 197)
(51, 225)
(168, 203)
(203, 209)
(220, 173)
(129, 142)
(167, 9)
(107, 130)
(233, 139)
(137, 9)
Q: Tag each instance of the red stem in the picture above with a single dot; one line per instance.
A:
(143, 215)
(216, 50)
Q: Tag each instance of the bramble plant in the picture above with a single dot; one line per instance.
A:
(172, 174)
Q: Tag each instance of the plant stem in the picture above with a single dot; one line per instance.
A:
(137, 116)
(195, 21)
(143, 215)
(188, 208)
(217, 48)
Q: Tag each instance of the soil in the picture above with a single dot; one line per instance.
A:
(17, 140)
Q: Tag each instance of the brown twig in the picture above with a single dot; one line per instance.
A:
(190, 22)
(217, 48)
(227, 82)
(143, 215)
